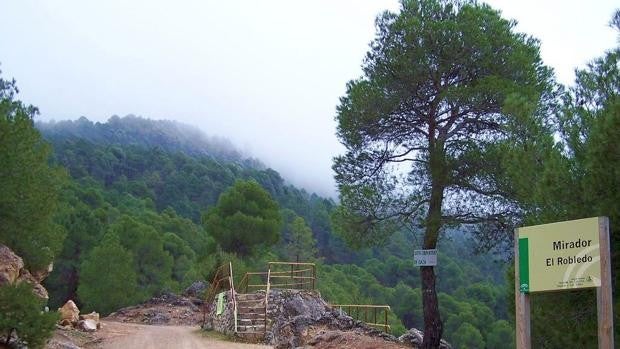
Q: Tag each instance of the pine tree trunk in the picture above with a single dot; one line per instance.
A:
(433, 327)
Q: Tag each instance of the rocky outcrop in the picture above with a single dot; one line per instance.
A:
(10, 266)
(165, 309)
(414, 338)
(196, 289)
(296, 317)
(12, 271)
(224, 322)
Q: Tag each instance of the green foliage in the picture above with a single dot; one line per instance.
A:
(444, 84)
(502, 335)
(150, 194)
(300, 245)
(429, 108)
(22, 311)
(245, 216)
(576, 178)
(468, 337)
(107, 277)
(183, 256)
(153, 265)
(29, 186)
(478, 299)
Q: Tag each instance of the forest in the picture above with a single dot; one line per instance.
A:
(154, 201)
(130, 208)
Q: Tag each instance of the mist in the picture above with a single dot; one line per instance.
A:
(266, 75)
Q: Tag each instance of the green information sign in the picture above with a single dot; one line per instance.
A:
(559, 256)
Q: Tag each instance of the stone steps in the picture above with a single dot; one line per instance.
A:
(251, 316)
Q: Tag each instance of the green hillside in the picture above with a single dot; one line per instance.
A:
(147, 201)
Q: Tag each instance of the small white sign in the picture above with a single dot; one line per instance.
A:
(424, 258)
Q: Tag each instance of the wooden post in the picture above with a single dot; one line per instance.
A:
(522, 304)
(604, 302)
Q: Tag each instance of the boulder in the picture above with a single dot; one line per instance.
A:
(414, 338)
(87, 325)
(93, 317)
(10, 266)
(70, 312)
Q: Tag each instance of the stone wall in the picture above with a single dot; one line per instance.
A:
(225, 322)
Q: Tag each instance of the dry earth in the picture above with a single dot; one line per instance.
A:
(116, 335)
(160, 337)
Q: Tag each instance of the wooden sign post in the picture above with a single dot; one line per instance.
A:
(564, 256)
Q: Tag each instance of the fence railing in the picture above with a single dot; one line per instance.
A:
(372, 315)
(287, 275)
(222, 281)
(267, 298)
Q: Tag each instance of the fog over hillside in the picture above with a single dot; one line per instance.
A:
(177, 136)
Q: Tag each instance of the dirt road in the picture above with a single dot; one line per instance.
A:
(118, 335)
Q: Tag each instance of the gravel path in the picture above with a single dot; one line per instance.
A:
(126, 335)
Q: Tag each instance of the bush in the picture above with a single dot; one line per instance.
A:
(21, 312)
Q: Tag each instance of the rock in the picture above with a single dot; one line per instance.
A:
(37, 288)
(10, 266)
(296, 316)
(158, 319)
(65, 323)
(196, 289)
(92, 316)
(69, 312)
(87, 325)
(12, 271)
(42, 274)
(67, 346)
(414, 338)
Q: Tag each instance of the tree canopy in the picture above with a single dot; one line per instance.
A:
(444, 84)
(29, 186)
(576, 178)
(245, 216)
(108, 280)
(21, 311)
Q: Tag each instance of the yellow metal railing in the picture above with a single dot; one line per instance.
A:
(222, 281)
(287, 275)
(368, 314)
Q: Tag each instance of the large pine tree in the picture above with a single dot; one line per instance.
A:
(419, 124)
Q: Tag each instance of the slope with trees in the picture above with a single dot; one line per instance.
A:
(122, 189)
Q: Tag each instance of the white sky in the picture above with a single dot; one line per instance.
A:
(265, 74)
